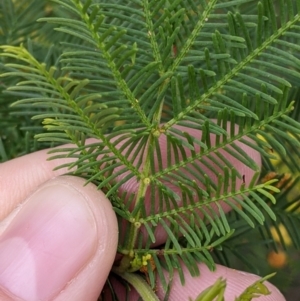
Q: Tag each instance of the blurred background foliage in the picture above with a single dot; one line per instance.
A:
(262, 250)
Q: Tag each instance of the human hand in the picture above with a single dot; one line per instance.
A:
(58, 241)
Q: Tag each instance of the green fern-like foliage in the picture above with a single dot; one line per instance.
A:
(125, 82)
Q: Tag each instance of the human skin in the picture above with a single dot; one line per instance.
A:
(37, 202)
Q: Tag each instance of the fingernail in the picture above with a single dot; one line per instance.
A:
(48, 242)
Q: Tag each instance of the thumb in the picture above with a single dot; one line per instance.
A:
(59, 244)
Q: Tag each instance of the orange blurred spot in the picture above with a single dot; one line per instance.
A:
(277, 260)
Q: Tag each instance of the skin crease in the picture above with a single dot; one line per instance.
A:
(20, 177)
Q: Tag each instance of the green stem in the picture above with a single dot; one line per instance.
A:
(140, 285)
(143, 184)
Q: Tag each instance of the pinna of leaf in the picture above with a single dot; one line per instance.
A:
(203, 201)
(144, 258)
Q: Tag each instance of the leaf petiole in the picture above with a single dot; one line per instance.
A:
(140, 285)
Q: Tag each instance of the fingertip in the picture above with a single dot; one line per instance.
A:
(236, 283)
(23, 175)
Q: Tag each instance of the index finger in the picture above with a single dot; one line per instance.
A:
(21, 176)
